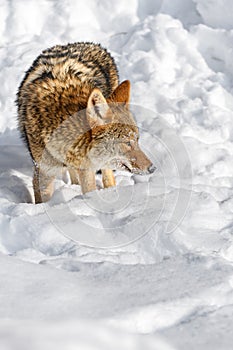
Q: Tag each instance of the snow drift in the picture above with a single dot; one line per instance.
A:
(148, 264)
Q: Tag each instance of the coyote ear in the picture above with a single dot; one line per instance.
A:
(122, 93)
(97, 109)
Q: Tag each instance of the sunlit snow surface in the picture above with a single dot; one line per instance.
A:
(147, 265)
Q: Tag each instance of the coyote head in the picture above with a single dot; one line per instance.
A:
(114, 143)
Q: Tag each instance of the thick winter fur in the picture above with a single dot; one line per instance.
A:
(72, 112)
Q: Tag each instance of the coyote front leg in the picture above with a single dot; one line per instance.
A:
(74, 176)
(42, 185)
(87, 180)
(108, 178)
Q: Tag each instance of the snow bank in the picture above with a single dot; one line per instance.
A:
(216, 13)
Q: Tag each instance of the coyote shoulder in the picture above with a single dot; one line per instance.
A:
(72, 112)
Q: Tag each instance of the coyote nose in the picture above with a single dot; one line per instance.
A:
(151, 168)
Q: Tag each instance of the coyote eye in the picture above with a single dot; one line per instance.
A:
(128, 144)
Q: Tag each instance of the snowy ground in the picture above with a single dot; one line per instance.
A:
(153, 268)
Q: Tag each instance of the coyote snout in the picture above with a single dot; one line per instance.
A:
(138, 163)
(131, 158)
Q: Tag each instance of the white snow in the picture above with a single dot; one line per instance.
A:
(149, 264)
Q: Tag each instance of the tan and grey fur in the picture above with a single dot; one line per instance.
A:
(72, 112)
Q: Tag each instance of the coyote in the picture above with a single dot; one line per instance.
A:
(73, 113)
